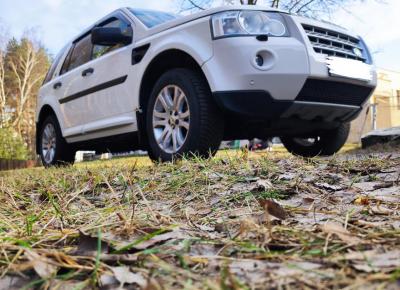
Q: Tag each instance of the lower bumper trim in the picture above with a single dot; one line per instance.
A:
(260, 105)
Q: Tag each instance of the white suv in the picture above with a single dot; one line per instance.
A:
(177, 85)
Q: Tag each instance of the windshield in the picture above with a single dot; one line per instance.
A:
(152, 18)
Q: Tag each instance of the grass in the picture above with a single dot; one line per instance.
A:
(199, 224)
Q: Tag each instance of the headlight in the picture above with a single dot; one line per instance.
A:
(234, 23)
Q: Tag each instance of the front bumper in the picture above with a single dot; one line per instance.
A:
(316, 101)
(294, 83)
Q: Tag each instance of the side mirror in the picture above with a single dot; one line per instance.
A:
(109, 36)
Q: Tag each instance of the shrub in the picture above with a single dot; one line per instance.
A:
(12, 146)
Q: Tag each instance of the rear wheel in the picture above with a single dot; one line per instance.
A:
(325, 143)
(182, 118)
(54, 150)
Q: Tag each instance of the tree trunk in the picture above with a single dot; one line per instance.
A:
(2, 91)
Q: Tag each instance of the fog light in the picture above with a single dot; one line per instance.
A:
(259, 60)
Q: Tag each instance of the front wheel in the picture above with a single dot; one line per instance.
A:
(326, 143)
(53, 148)
(182, 118)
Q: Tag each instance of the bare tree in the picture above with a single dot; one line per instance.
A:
(302, 7)
(26, 66)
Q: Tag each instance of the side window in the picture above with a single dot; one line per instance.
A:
(100, 50)
(81, 53)
(64, 67)
(50, 73)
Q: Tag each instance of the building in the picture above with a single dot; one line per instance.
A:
(383, 110)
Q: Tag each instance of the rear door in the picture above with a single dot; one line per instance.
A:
(70, 83)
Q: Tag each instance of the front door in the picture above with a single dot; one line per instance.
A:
(95, 80)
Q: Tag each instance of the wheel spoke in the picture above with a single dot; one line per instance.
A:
(46, 133)
(184, 115)
(158, 123)
(47, 155)
(174, 141)
(180, 137)
(178, 98)
(163, 100)
(161, 115)
(184, 124)
(162, 136)
(168, 98)
(167, 139)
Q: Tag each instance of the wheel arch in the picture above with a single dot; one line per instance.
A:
(161, 63)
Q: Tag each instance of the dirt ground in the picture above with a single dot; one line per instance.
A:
(238, 221)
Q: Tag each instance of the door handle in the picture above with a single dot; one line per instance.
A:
(58, 85)
(87, 72)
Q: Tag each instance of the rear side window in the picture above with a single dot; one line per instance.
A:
(100, 50)
(50, 73)
(81, 53)
(64, 67)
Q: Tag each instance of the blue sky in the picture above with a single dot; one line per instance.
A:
(57, 21)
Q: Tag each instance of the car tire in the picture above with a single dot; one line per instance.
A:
(58, 151)
(182, 118)
(326, 143)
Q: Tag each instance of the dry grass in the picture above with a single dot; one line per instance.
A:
(200, 225)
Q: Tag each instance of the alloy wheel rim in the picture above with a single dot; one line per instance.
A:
(171, 119)
(49, 143)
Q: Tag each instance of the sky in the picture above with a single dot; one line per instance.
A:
(57, 21)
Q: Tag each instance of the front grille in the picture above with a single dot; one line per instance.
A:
(334, 43)
(331, 92)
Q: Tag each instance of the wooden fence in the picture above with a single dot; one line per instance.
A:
(6, 164)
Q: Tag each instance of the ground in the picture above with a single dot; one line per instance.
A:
(238, 221)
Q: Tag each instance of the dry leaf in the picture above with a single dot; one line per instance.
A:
(341, 232)
(273, 208)
(42, 265)
(87, 245)
(175, 234)
(125, 276)
(328, 186)
(382, 210)
(264, 184)
(361, 200)
(374, 261)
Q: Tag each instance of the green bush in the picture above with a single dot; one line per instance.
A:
(12, 146)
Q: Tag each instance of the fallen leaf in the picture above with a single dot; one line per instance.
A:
(368, 224)
(175, 234)
(287, 176)
(361, 200)
(42, 265)
(125, 276)
(381, 210)
(328, 186)
(366, 186)
(273, 208)
(374, 261)
(308, 200)
(264, 184)
(337, 229)
(385, 184)
(87, 245)
(11, 282)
